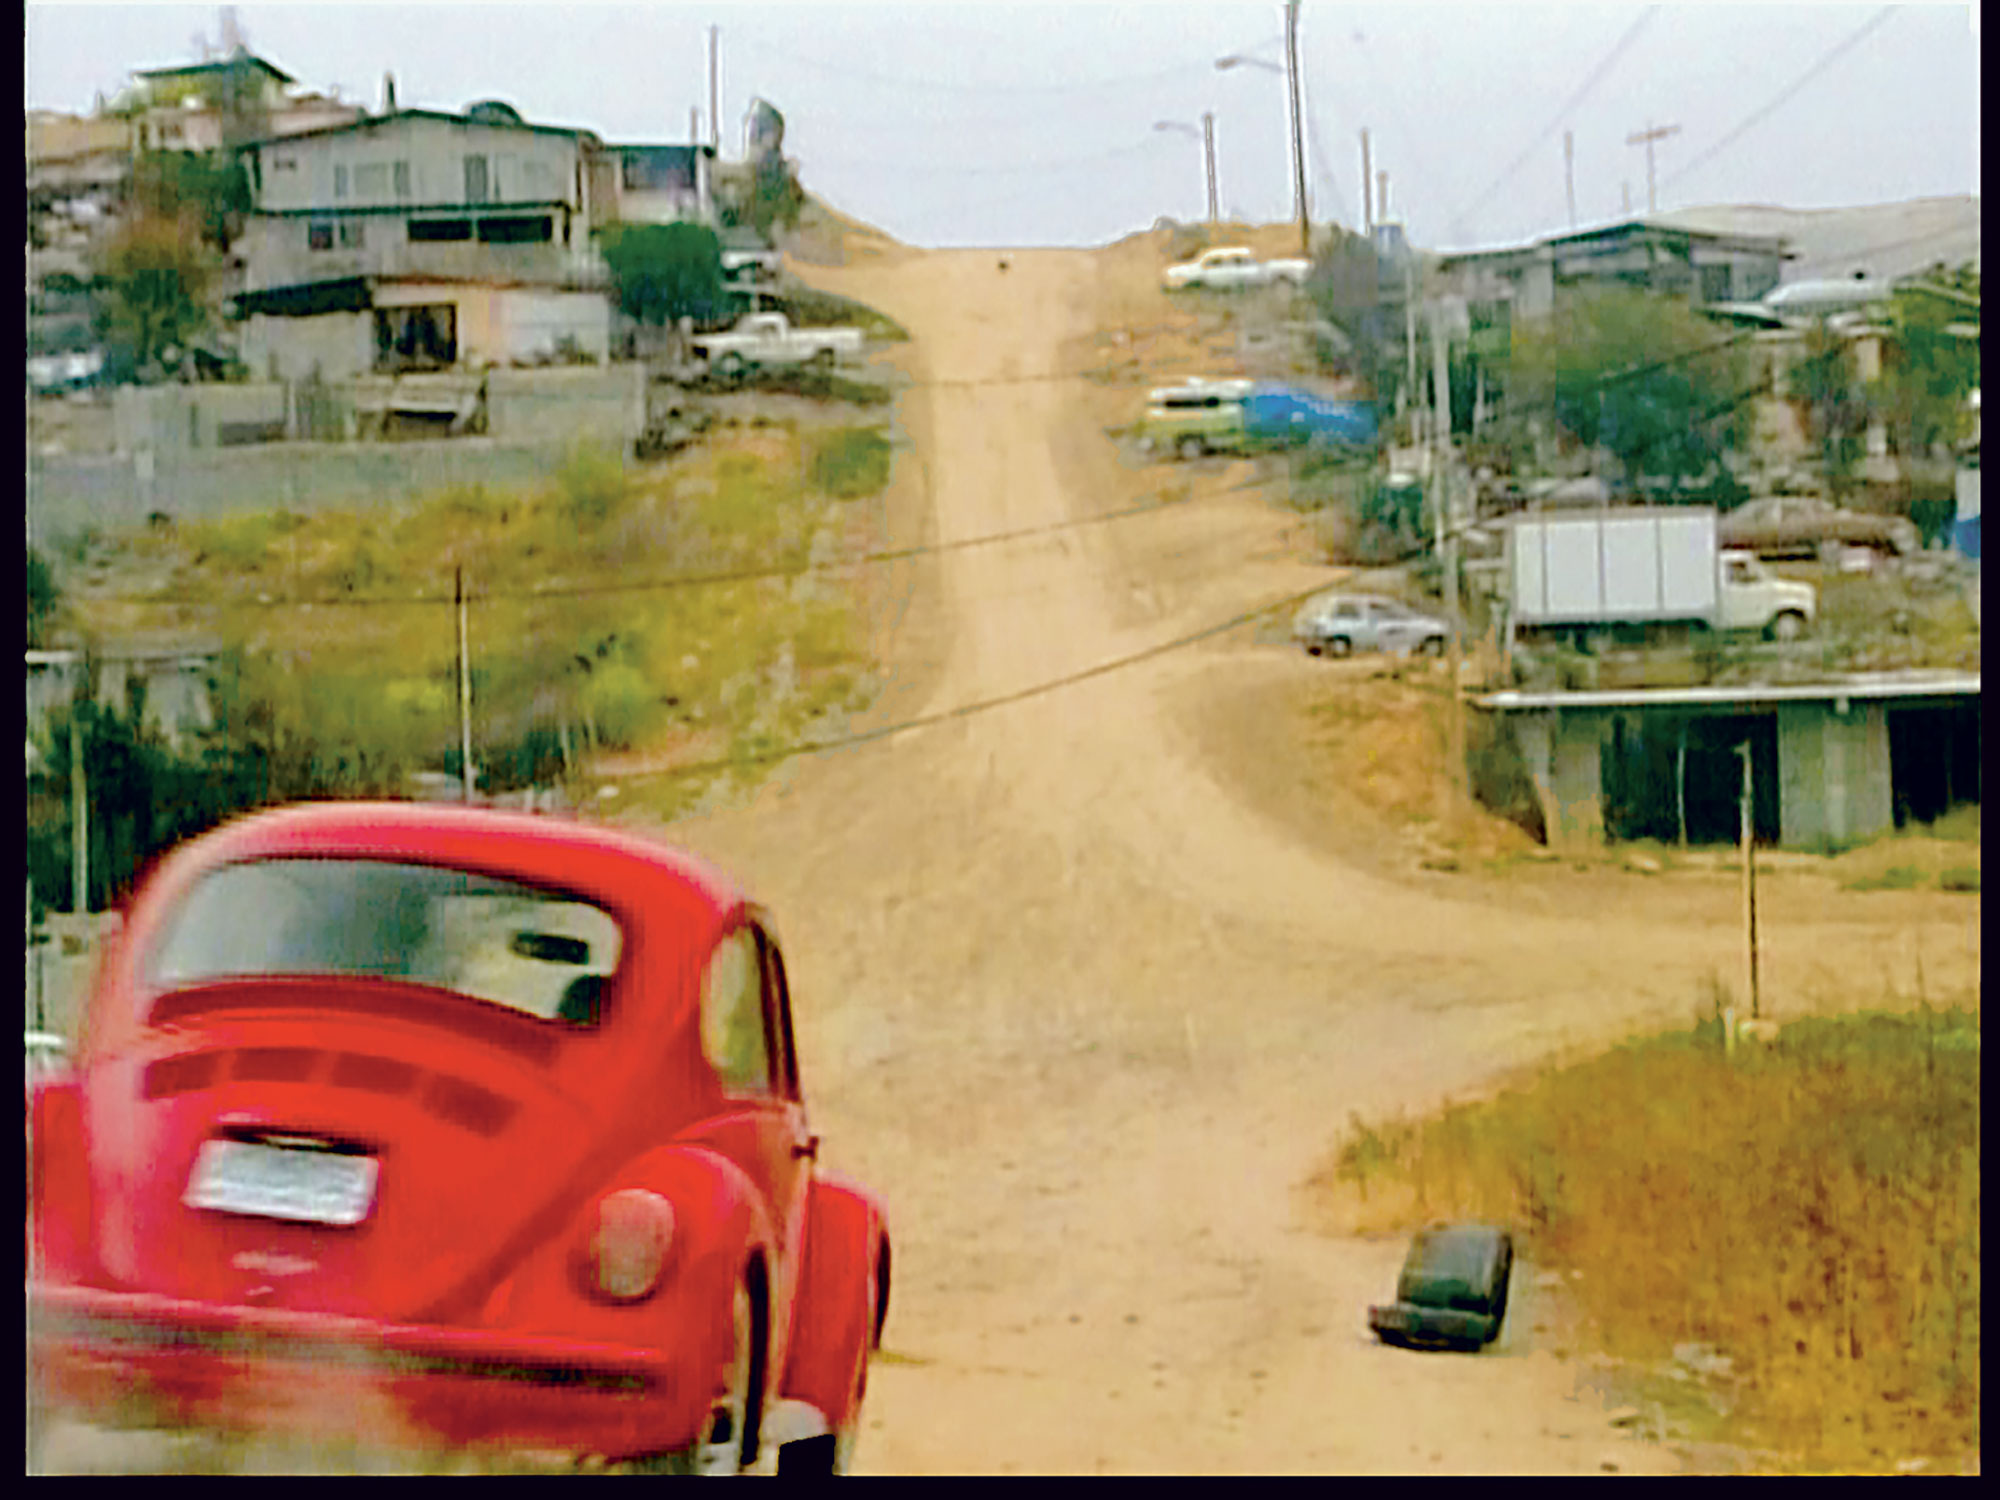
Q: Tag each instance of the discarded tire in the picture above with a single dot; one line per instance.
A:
(1452, 1293)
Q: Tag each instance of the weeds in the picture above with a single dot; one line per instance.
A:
(1809, 1206)
(849, 463)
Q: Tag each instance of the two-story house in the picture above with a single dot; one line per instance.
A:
(421, 239)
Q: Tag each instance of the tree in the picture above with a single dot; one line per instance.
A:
(1932, 364)
(666, 272)
(1641, 375)
(1348, 286)
(210, 188)
(1828, 380)
(43, 596)
(156, 274)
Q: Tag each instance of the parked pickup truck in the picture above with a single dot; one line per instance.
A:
(1231, 267)
(764, 340)
(1581, 571)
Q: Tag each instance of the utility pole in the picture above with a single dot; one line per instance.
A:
(464, 692)
(1447, 543)
(1569, 173)
(694, 125)
(1298, 128)
(1410, 391)
(1646, 138)
(1208, 147)
(1367, 189)
(1381, 197)
(714, 93)
(1750, 876)
(79, 825)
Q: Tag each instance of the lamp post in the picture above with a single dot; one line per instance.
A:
(1290, 70)
(1206, 135)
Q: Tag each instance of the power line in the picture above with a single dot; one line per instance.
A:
(957, 86)
(1595, 77)
(987, 705)
(1757, 116)
(711, 579)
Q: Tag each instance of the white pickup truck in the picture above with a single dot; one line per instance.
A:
(768, 339)
(1230, 267)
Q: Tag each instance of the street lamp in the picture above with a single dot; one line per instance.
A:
(1206, 135)
(1291, 72)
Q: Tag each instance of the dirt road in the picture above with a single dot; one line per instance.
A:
(1085, 993)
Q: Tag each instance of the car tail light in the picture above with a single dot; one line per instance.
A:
(628, 1245)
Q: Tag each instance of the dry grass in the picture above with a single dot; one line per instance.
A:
(1378, 733)
(1808, 1207)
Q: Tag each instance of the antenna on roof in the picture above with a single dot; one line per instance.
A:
(388, 93)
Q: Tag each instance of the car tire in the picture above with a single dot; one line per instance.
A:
(822, 362)
(1339, 645)
(1788, 626)
(1431, 645)
(730, 369)
(1192, 448)
(722, 1448)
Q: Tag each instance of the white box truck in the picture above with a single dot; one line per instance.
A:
(1580, 571)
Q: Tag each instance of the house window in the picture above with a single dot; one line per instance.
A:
(475, 179)
(402, 171)
(350, 235)
(340, 182)
(439, 231)
(319, 236)
(371, 182)
(527, 229)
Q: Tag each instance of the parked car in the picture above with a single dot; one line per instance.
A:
(1196, 418)
(768, 339)
(501, 1113)
(1340, 624)
(1780, 526)
(1230, 268)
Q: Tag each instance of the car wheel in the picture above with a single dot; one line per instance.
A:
(1432, 645)
(1340, 645)
(730, 368)
(822, 361)
(1192, 448)
(1789, 626)
(721, 1448)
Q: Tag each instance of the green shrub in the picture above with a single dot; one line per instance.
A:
(1960, 878)
(592, 486)
(850, 462)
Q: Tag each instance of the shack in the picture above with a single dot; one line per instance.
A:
(1831, 762)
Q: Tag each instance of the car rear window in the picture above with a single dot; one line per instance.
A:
(543, 953)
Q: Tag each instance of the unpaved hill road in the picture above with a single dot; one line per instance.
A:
(1086, 1016)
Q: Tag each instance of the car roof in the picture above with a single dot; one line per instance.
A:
(669, 898)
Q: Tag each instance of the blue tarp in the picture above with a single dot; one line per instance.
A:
(1968, 538)
(1283, 413)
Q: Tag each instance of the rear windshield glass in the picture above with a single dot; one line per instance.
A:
(535, 951)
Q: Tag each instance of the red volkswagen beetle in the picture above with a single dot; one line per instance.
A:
(491, 1119)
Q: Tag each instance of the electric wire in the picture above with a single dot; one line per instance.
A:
(1757, 116)
(1596, 76)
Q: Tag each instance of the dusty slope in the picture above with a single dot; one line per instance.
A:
(1079, 1001)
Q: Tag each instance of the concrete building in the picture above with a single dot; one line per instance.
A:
(1833, 762)
(1647, 253)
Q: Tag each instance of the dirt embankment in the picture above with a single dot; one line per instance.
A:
(1086, 995)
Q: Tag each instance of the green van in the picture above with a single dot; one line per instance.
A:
(1196, 418)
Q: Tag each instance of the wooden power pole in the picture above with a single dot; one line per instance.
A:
(1646, 138)
(1298, 125)
(1208, 148)
(714, 92)
(1367, 190)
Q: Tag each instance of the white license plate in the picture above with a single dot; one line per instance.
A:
(279, 1182)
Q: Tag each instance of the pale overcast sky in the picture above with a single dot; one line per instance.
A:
(1016, 124)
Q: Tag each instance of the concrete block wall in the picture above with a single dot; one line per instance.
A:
(1833, 773)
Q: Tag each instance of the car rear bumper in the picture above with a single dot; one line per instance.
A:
(1407, 1322)
(204, 1364)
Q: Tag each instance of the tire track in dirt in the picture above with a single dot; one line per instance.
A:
(1087, 1013)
